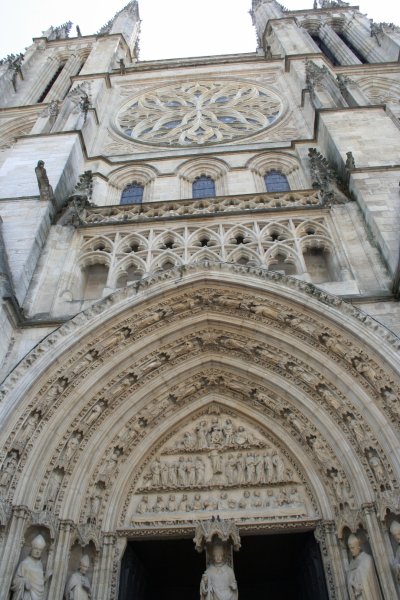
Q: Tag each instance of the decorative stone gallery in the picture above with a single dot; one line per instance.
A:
(200, 318)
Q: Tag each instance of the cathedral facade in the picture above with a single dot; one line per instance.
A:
(200, 315)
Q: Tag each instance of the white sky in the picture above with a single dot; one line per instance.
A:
(170, 28)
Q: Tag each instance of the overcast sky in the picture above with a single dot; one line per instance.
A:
(170, 28)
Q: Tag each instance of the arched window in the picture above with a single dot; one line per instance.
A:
(132, 194)
(203, 187)
(276, 182)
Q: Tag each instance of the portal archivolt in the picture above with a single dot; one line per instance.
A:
(266, 370)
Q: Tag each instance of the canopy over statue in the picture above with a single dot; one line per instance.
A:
(218, 537)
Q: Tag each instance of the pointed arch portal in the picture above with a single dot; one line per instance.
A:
(203, 390)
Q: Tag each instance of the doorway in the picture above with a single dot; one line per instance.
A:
(267, 567)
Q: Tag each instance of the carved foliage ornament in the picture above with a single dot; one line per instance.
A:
(194, 113)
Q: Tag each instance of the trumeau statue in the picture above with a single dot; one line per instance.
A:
(395, 531)
(78, 585)
(362, 583)
(218, 582)
(29, 580)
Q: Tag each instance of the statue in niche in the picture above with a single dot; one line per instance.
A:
(8, 469)
(70, 448)
(29, 428)
(395, 531)
(29, 581)
(45, 189)
(95, 504)
(78, 585)
(362, 583)
(53, 487)
(376, 465)
(218, 582)
(95, 413)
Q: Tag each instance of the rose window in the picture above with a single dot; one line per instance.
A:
(190, 114)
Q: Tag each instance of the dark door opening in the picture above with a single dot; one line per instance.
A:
(267, 567)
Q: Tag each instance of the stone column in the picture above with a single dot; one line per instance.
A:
(102, 577)
(47, 72)
(61, 559)
(325, 534)
(378, 547)
(12, 549)
(360, 36)
(337, 46)
(63, 81)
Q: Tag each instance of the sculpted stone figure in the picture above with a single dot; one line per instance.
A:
(45, 189)
(78, 586)
(362, 582)
(395, 531)
(218, 582)
(29, 580)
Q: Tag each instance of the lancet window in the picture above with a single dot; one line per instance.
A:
(132, 194)
(275, 181)
(203, 187)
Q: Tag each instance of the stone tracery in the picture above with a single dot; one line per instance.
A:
(199, 112)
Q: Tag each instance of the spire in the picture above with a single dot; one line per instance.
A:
(127, 22)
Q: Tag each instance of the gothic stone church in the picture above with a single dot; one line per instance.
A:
(200, 308)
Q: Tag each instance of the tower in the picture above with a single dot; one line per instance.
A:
(200, 283)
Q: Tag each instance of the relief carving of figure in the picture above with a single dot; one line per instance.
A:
(200, 471)
(362, 583)
(201, 431)
(216, 435)
(191, 472)
(216, 461)
(172, 474)
(268, 468)
(229, 431)
(29, 581)
(155, 470)
(78, 586)
(279, 467)
(71, 447)
(171, 503)
(230, 470)
(197, 503)
(181, 472)
(111, 463)
(218, 582)
(143, 506)
(240, 469)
